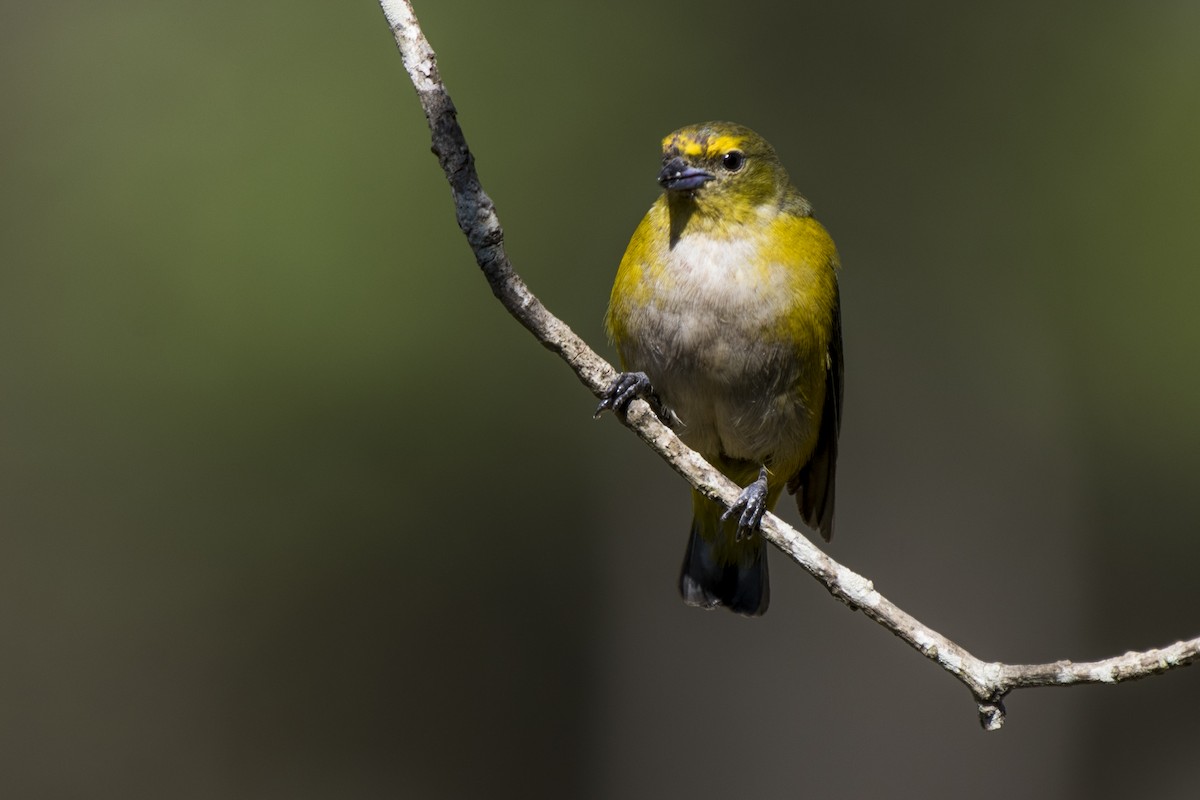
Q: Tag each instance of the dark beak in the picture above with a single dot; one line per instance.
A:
(677, 176)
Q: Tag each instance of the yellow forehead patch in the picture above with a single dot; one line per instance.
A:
(704, 147)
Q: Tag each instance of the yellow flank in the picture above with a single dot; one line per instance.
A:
(632, 286)
(805, 245)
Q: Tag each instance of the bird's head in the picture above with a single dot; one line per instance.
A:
(722, 166)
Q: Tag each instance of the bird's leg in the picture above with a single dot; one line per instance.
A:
(627, 387)
(751, 505)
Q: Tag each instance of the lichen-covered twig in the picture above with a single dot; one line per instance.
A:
(989, 681)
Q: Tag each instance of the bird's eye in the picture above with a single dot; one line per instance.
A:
(733, 160)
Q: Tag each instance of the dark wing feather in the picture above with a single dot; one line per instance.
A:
(814, 483)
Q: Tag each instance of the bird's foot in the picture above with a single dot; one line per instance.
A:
(627, 387)
(750, 505)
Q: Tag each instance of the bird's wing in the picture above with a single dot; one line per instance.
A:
(814, 483)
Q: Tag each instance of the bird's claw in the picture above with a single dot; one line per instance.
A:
(750, 507)
(627, 387)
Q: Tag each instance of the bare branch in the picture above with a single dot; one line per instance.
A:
(989, 681)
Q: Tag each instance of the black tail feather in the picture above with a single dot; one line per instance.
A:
(740, 584)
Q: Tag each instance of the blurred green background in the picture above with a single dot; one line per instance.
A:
(291, 508)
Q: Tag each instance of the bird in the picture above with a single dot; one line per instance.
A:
(726, 316)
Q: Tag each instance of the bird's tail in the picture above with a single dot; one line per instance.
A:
(720, 571)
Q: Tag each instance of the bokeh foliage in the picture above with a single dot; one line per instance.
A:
(290, 508)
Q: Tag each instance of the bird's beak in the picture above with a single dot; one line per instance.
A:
(677, 176)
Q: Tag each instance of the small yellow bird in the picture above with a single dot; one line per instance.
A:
(726, 317)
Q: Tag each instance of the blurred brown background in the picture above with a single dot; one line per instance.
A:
(290, 508)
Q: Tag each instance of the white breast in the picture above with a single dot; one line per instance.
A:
(708, 338)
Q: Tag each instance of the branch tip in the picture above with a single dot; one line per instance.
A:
(991, 715)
